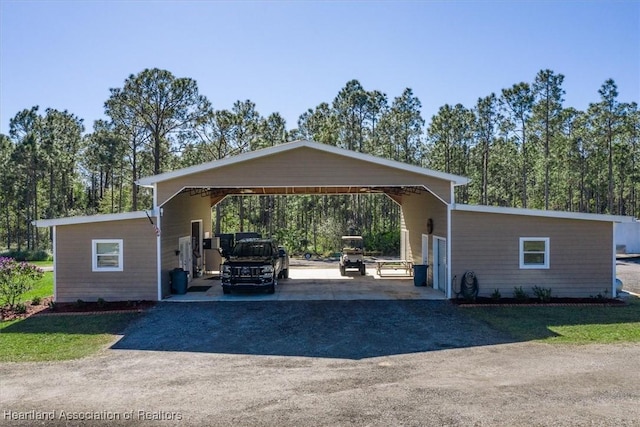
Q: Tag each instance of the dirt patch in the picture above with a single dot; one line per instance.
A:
(7, 314)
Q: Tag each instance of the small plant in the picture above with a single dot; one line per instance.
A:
(79, 303)
(36, 300)
(496, 294)
(520, 294)
(20, 308)
(101, 302)
(543, 294)
(52, 305)
(602, 295)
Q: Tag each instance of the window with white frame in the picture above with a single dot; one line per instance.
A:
(534, 252)
(106, 254)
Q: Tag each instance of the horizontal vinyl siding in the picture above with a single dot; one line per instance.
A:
(303, 167)
(176, 223)
(75, 278)
(488, 244)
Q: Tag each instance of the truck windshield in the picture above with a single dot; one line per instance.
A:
(252, 249)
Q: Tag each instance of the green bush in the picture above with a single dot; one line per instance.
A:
(28, 255)
(543, 294)
(520, 294)
(36, 301)
(496, 294)
(20, 308)
(16, 278)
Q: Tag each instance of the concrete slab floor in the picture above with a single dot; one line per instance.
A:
(321, 284)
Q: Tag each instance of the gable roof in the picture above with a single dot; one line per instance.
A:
(542, 213)
(93, 218)
(149, 181)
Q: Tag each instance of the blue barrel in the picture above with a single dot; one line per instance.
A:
(179, 281)
(420, 275)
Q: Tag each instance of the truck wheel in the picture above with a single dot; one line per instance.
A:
(271, 289)
(363, 269)
(285, 273)
(226, 291)
(343, 270)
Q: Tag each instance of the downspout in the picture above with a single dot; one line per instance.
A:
(55, 267)
(156, 209)
(614, 293)
(449, 241)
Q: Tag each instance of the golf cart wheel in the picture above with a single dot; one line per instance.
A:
(285, 273)
(226, 290)
(343, 270)
(271, 289)
(363, 269)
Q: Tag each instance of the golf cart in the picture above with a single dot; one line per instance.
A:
(352, 254)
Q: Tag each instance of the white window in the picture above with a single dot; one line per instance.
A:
(534, 252)
(106, 254)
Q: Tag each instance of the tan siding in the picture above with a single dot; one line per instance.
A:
(416, 210)
(303, 167)
(488, 244)
(176, 223)
(75, 278)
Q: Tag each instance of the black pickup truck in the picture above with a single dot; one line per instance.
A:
(252, 264)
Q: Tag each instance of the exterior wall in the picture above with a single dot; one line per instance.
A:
(416, 210)
(628, 237)
(75, 278)
(302, 167)
(176, 222)
(580, 258)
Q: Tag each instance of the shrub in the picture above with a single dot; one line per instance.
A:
(543, 294)
(52, 305)
(20, 308)
(101, 302)
(36, 301)
(496, 294)
(16, 278)
(79, 303)
(520, 294)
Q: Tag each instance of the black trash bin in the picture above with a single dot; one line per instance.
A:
(420, 275)
(179, 281)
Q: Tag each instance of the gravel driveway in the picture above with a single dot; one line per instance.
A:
(332, 363)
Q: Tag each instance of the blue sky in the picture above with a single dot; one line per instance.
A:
(288, 56)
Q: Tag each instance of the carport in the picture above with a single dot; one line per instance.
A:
(183, 199)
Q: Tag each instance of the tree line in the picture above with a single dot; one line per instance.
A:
(521, 147)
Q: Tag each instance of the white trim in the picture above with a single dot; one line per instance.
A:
(150, 180)
(449, 287)
(543, 213)
(614, 292)
(547, 253)
(158, 240)
(94, 255)
(92, 218)
(55, 265)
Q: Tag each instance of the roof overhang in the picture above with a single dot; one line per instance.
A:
(543, 213)
(149, 181)
(93, 218)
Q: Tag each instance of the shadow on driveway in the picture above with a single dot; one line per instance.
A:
(332, 329)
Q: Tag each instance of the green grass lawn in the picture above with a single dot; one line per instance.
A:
(48, 338)
(565, 324)
(43, 288)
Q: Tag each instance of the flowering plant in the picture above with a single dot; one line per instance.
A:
(16, 278)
